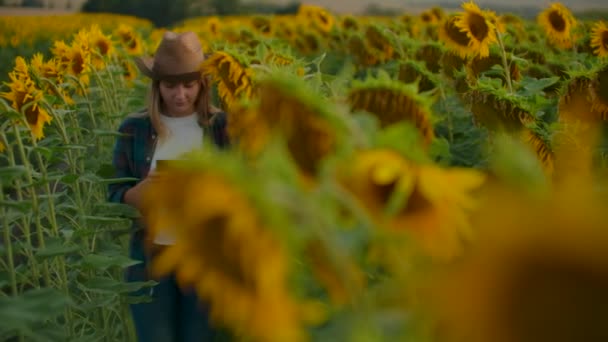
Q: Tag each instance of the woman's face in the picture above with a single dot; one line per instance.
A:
(179, 98)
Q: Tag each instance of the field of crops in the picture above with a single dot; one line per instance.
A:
(432, 177)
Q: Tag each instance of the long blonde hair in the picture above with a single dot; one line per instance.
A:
(203, 106)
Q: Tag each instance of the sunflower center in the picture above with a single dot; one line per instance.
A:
(605, 39)
(103, 47)
(416, 202)
(221, 252)
(602, 85)
(478, 26)
(554, 300)
(557, 21)
(78, 64)
(32, 114)
(456, 35)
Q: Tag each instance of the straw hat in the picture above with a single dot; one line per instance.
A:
(177, 58)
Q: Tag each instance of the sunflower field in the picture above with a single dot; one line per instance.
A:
(426, 177)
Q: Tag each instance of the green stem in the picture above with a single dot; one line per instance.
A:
(55, 229)
(25, 223)
(9, 256)
(35, 204)
(76, 167)
(505, 64)
(9, 247)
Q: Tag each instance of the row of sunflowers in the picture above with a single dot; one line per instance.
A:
(430, 177)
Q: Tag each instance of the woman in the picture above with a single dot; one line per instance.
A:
(178, 118)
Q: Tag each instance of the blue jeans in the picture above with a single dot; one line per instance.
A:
(173, 315)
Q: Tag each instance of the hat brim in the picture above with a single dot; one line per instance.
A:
(145, 64)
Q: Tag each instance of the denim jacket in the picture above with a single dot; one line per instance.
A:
(134, 149)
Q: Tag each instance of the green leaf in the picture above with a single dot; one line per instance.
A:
(32, 307)
(116, 210)
(56, 247)
(45, 152)
(103, 220)
(23, 206)
(10, 173)
(116, 180)
(533, 86)
(110, 285)
(105, 133)
(103, 262)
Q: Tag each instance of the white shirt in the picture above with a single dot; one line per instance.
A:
(184, 134)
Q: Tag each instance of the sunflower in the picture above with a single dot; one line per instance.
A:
(579, 134)
(451, 35)
(247, 130)
(101, 47)
(307, 124)
(227, 248)
(479, 29)
(316, 16)
(61, 52)
(363, 54)
(380, 43)
(599, 39)
(392, 101)
(451, 63)
(311, 42)
(26, 98)
(599, 93)
(79, 62)
(438, 13)
(276, 58)
(51, 71)
(285, 29)
(537, 272)
(431, 54)
(428, 18)
(426, 201)
(497, 111)
(47, 69)
(213, 26)
(575, 103)
(337, 272)
(541, 148)
(558, 22)
(129, 39)
(2, 147)
(234, 78)
(412, 71)
(349, 23)
(129, 70)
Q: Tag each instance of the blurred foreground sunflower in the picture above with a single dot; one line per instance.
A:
(287, 109)
(424, 200)
(537, 272)
(578, 135)
(228, 247)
